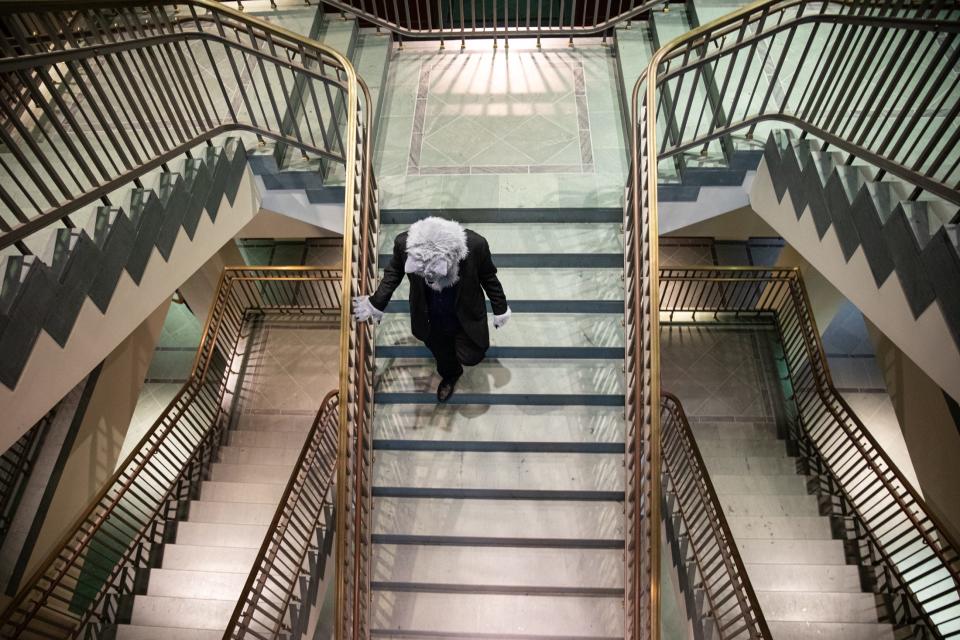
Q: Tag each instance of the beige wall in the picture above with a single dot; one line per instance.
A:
(927, 338)
(931, 435)
(270, 224)
(825, 299)
(97, 447)
(200, 289)
(739, 224)
(53, 370)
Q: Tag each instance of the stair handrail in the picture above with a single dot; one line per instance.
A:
(827, 430)
(418, 19)
(125, 521)
(820, 109)
(263, 608)
(731, 599)
(152, 39)
(148, 28)
(16, 466)
(688, 55)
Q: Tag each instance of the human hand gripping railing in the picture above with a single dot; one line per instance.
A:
(76, 589)
(913, 553)
(201, 69)
(731, 601)
(263, 609)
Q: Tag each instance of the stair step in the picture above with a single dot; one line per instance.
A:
(196, 584)
(780, 527)
(805, 577)
(218, 559)
(513, 376)
(191, 613)
(747, 465)
(551, 284)
(235, 454)
(499, 423)
(272, 422)
(533, 238)
(791, 551)
(207, 534)
(769, 505)
(249, 492)
(806, 606)
(499, 470)
(139, 632)
(757, 484)
(487, 569)
(760, 447)
(540, 522)
(272, 439)
(258, 473)
(231, 512)
(435, 614)
(562, 330)
(783, 630)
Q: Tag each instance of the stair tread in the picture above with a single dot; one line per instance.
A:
(206, 558)
(513, 376)
(804, 577)
(508, 519)
(499, 470)
(818, 606)
(192, 613)
(789, 630)
(186, 583)
(561, 283)
(466, 613)
(532, 238)
(544, 330)
(466, 567)
(504, 423)
(144, 632)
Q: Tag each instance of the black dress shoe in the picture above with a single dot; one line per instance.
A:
(445, 390)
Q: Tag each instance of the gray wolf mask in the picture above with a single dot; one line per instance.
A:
(435, 248)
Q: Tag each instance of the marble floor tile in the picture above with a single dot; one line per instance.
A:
(534, 118)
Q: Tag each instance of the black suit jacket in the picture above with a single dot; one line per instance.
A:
(477, 275)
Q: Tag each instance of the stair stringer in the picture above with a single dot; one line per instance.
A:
(926, 339)
(52, 370)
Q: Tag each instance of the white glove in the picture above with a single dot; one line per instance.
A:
(364, 310)
(500, 320)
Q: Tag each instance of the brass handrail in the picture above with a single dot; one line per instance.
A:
(115, 534)
(164, 41)
(118, 33)
(732, 602)
(494, 18)
(263, 608)
(16, 465)
(655, 135)
(916, 554)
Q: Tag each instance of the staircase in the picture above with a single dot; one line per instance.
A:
(501, 512)
(896, 258)
(727, 378)
(194, 587)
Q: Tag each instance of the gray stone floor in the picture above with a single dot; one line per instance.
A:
(485, 127)
(721, 372)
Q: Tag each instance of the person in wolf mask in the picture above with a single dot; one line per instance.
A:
(449, 269)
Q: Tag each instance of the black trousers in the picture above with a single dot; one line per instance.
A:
(452, 351)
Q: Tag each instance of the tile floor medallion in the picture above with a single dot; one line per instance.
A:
(489, 127)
